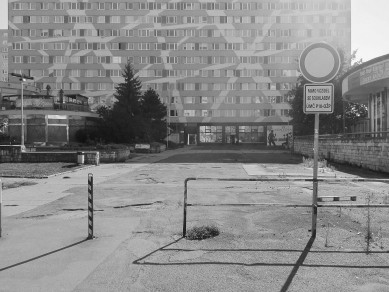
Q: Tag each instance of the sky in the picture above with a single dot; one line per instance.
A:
(369, 27)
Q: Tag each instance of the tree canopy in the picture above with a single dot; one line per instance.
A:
(134, 117)
(329, 123)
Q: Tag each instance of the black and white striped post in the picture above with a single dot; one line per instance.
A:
(90, 206)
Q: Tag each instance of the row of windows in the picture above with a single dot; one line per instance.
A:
(162, 46)
(179, 6)
(229, 113)
(178, 86)
(160, 72)
(234, 99)
(223, 86)
(180, 19)
(154, 60)
(217, 73)
(180, 32)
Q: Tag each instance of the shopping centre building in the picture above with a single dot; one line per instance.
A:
(224, 68)
(368, 84)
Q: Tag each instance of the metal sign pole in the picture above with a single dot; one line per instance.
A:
(315, 183)
(1, 201)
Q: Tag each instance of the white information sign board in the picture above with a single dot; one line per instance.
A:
(319, 98)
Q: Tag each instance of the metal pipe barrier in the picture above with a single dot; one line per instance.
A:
(314, 206)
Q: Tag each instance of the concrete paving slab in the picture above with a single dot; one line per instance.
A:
(53, 255)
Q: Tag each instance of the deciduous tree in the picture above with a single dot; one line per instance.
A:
(329, 123)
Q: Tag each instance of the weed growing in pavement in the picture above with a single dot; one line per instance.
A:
(202, 232)
(369, 232)
(327, 233)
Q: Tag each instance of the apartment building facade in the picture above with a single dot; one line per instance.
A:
(3, 54)
(223, 67)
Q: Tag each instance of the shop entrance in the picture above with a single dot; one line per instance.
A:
(230, 139)
(192, 139)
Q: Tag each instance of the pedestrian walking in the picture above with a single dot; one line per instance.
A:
(271, 138)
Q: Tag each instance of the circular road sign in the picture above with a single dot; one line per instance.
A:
(319, 62)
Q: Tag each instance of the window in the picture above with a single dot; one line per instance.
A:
(17, 46)
(171, 19)
(17, 59)
(59, 73)
(75, 59)
(17, 6)
(189, 46)
(143, 46)
(245, 99)
(229, 99)
(17, 19)
(171, 6)
(44, 6)
(59, 46)
(188, 32)
(189, 86)
(115, 19)
(171, 33)
(189, 99)
(229, 113)
(171, 46)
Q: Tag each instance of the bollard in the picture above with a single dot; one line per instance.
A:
(90, 206)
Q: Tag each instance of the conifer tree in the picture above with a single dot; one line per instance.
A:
(154, 115)
(124, 122)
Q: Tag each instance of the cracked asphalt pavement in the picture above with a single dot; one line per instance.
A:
(138, 224)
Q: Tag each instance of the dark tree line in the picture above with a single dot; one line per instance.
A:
(329, 123)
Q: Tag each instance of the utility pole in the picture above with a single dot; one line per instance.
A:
(168, 118)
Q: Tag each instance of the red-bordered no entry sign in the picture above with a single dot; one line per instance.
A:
(319, 62)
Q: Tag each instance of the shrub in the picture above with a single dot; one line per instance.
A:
(173, 145)
(202, 232)
(86, 135)
(4, 137)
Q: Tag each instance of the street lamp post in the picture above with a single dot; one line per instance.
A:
(23, 78)
(168, 118)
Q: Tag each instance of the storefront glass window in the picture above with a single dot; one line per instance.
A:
(250, 134)
(211, 134)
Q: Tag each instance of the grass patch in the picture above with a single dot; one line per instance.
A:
(18, 184)
(36, 170)
(202, 232)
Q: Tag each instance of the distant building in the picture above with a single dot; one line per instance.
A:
(223, 67)
(3, 54)
(368, 84)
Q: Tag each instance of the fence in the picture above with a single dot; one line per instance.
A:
(314, 204)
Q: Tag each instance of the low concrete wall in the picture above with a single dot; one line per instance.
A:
(16, 153)
(369, 153)
(106, 155)
(115, 155)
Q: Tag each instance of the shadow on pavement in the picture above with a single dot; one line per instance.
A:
(42, 255)
(299, 263)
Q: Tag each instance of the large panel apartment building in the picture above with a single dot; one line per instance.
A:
(224, 67)
(3, 54)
